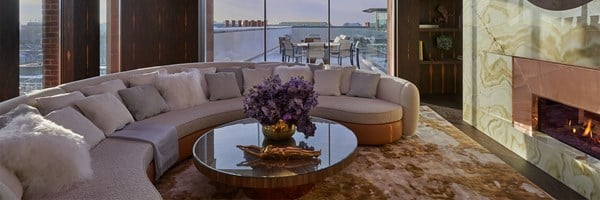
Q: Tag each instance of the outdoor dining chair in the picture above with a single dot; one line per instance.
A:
(316, 50)
(343, 50)
(289, 52)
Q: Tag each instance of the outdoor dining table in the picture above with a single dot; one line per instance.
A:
(305, 44)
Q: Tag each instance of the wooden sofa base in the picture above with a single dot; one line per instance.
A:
(367, 134)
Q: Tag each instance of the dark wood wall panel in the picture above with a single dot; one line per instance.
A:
(80, 39)
(9, 49)
(407, 47)
(158, 32)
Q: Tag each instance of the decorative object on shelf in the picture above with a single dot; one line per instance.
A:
(429, 26)
(279, 106)
(279, 131)
(442, 18)
(421, 50)
(271, 152)
(444, 42)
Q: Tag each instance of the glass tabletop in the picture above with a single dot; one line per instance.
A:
(217, 149)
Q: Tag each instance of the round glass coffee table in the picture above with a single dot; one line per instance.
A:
(217, 157)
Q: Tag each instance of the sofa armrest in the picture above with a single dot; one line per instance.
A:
(405, 93)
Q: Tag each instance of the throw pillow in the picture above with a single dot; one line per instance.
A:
(52, 103)
(111, 87)
(327, 82)
(286, 73)
(239, 76)
(363, 84)
(346, 76)
(143, 101)
(15, 112)
(73, 120)
(222, 85)
(254, 77)
(46, 157)
(203, 72)
(106, 112)
(145, 79)
(181, 90)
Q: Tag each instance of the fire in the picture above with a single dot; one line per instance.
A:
(588, 129)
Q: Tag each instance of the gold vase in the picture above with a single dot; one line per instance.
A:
(279, 131)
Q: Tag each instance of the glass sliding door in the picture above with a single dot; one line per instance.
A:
(31, 57)
(363, 25)
(238, 30)
(293, 25)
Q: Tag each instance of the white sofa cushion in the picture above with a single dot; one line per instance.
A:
(203, 72)
(200, 117)
(181, 90)
(111, 87)
(73, 120)
(357, 110)
(254, 77)
(106, 112)
(327, 82)
(45, 156)
(52, 103)
(119, 173)
(15, 112)
(286, 73)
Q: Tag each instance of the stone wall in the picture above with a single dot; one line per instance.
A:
(495, 31)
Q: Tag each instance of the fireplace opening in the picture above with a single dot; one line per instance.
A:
(576, 127)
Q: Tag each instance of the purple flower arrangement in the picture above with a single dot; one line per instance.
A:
(290, 102)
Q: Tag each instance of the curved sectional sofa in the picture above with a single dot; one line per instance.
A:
(123, 169)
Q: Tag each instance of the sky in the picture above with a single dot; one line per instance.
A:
(342, 11)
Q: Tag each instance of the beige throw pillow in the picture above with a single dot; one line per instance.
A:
(222, 85)
(327, 82)
(75, 121)
(145, 79)
(181, 90)
(106, 112)
(111, 87)
(254, 77)
(346, 76)
(52, 103)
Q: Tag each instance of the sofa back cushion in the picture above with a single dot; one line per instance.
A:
(286, 73)
(346, 77)
(73, 120)
(222, 85)
(111, 87)
(181, 90)
(145, 79)
(363, 84)
(55, 102)
(106, 112)
(143, 101)
(327, 82)
(254, 77)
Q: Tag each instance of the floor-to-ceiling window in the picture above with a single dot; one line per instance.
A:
(238, 30)
(353, 32)
(30, 47)
(103, 36)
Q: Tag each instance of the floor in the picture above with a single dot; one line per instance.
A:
(451, 109)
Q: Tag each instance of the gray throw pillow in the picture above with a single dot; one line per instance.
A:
(73, 120)
(143, 101)
(15, 112)
(105, 111)
(222, 86)
(239, 76)
(111, 87)
(363, 84)
(56, 102)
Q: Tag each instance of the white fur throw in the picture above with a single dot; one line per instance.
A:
(181, 90)
(46, 157)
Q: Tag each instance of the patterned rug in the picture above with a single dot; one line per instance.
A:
(440, 162)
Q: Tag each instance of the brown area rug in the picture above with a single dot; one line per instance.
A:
(440, 162)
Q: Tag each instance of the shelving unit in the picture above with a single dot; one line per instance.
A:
(439, 72)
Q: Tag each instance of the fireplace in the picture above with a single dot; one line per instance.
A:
(562, 101)
(576, 127)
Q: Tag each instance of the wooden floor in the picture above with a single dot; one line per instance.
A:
(451, 110)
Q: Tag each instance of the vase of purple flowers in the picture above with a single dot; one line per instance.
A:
(279, 107)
